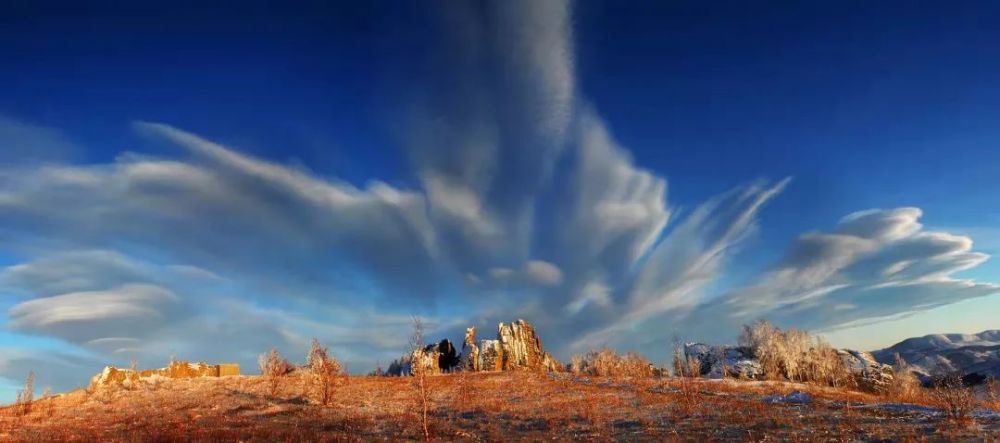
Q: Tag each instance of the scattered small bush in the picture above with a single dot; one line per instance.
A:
(26, 396)
(950, 394)
(420, 373)
(325, 371)
(273, 367)
(685, 365)
(608, 363)
(993, 393)
(795, 355)
(904, 385)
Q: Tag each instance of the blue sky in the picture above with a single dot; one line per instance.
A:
(615, 173)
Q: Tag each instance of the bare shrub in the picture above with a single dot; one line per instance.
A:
(273, 367)
(684, 365)
(951, 395)
(692, 367)
(419, 372)
(50, 410)
(325, 371)
(904, 386)
(823, 365)
(993, 392)
(26, 396)
(608, 363)
(131, 381)
(794, 355)
(679, 362)
(761, 338)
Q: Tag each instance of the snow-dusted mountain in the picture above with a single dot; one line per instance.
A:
(937, 354)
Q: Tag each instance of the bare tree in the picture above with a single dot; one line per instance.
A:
(273, 367)
(418, 370)
(325, 371)
(27, 395)
(904, 385)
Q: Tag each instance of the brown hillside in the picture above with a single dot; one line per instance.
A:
(478, 407)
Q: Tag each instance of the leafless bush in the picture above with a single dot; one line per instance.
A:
(684, 365)
(273, 367)
(49, 401)
(993, 392)
(324, 369)
(951, 395)
(794, 355)
(904, 386)
(419, 372)
(26, 396)
(131, 381)
(608, 363)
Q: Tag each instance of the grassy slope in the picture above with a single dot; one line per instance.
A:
(489, 407)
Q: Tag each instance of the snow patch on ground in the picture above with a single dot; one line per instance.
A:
(795, 397)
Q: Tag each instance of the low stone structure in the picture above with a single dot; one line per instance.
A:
(177, 369)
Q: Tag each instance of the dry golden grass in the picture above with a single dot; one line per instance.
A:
(474, 407)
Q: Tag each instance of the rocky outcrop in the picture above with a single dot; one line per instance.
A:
(177, 369)
(520, 347)
(517, 347)
(870, 375)
(724, 361)
(470, 352)
(448, 358)
(431, 359)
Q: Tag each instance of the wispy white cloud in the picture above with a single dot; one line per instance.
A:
(874, 265)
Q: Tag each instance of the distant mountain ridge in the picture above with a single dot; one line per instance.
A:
(936, 354)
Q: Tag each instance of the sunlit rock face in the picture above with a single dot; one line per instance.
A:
(490, 355)
(470, 351)
(521, 347)
(517, 348)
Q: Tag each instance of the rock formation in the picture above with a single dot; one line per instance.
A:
(517, 347)
(724, 361)
(868, 372)
(448, 358)
(177, 369)
(470, 352)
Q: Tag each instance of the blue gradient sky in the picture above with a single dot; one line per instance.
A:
(862, 105)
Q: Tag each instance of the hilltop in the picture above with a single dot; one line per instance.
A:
(510, 388)
(490, 406)
(974, 356)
